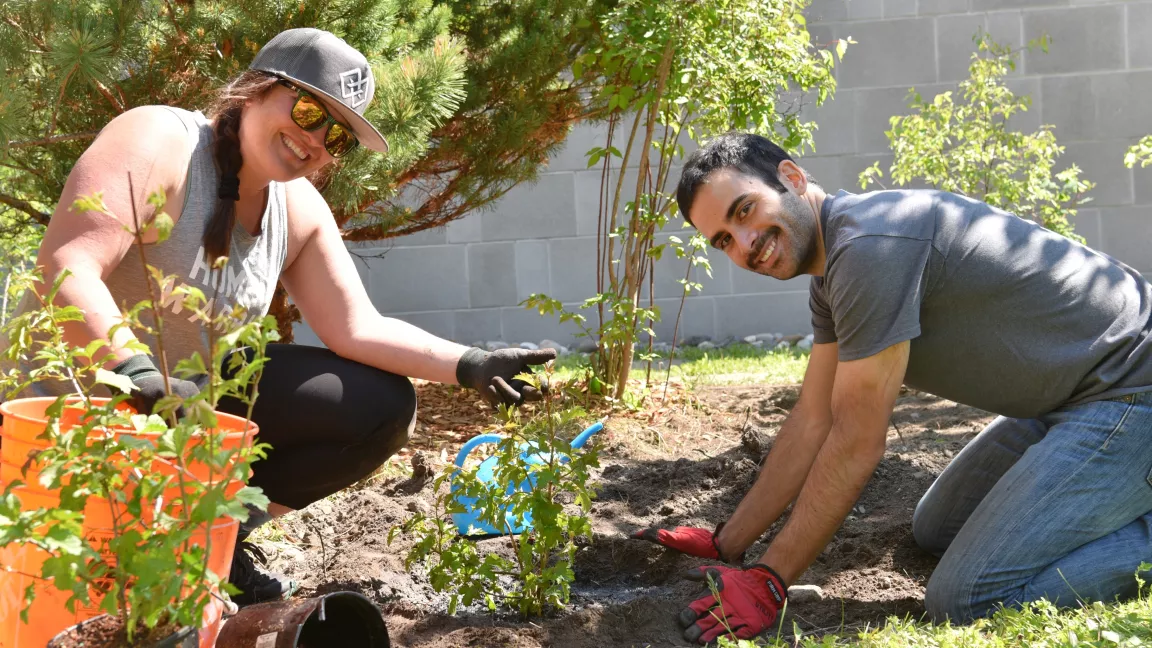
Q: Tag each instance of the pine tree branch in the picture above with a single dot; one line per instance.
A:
(175, 23)
(20, 28)
(59, 100)
(26, 207)
(118, 105)
(17, 167)
(52, 140)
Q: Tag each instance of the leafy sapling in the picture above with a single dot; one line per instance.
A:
(537, 476)
(164, 479)
(963, 142)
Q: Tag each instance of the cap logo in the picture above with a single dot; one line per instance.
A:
(354, 86)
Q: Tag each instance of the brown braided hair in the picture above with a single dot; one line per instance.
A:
(225, 110)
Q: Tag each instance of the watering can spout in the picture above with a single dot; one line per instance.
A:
(583, 437)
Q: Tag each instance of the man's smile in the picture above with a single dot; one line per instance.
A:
(763, 251)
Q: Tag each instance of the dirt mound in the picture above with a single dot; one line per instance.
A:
(692, 469)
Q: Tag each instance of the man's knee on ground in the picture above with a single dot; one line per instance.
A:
(928, 528)
(945, 600)
(962, 595)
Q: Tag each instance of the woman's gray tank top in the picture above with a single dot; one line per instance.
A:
(249, 279)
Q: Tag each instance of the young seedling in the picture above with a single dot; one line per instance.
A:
(538, 576)
(164, 478)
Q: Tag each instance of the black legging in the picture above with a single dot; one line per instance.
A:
(330, 421)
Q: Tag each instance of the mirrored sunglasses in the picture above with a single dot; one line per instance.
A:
(309, 114)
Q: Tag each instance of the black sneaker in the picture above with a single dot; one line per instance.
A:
(256, 585)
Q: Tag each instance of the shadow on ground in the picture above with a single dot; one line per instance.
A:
(693, 471)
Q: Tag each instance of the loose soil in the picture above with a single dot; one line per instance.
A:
(687, 464)
(106, 631)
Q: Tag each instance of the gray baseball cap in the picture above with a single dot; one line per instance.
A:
(322, 63)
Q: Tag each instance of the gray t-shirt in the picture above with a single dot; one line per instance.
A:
(248, 280)
(1003, 314)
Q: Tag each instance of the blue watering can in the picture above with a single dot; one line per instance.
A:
(468, 522)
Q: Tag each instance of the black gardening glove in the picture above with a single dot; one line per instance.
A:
(149, 384)
(492, 374)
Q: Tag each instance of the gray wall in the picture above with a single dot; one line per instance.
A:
(1095, 86)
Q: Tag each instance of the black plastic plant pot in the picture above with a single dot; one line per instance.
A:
(80, 635)
(344, 619)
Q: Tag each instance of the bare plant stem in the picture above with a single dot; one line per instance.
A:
(615, 209)
(602, 255)
(633, 248)
(4, 306)
(651, 322)
(211, 434)
(676, 331)
(158, 319)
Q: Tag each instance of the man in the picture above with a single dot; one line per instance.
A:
(951, 296)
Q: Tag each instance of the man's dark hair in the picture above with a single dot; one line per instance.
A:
(749, 154)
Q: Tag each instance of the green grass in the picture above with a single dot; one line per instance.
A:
(1041, 624)
(737, 364)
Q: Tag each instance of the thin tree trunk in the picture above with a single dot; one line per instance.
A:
(632, 263)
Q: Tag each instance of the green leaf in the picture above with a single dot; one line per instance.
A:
(164, 224)
(123, 383)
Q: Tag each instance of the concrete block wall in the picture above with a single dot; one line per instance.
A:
(1094, 86)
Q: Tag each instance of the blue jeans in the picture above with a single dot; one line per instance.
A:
(1058, 507)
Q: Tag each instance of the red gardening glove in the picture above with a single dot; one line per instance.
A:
(690, 540)
(746, 602)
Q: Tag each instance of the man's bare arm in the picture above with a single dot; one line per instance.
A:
(787, 465)
(862, 399)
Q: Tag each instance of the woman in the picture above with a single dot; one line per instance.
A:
(237, 186)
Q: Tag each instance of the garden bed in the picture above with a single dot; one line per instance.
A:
(689, 468)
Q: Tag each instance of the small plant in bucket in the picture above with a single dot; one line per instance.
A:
(535, 491)
(106, 510)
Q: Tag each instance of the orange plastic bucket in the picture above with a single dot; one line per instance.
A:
(48, 614)
(24, 421)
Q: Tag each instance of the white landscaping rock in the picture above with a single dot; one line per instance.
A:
(531, 346)
(549, 344)
(495, 345)
(706, 345)
(750, 339)
(805, 344)
(782, 344)
(801, 594)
